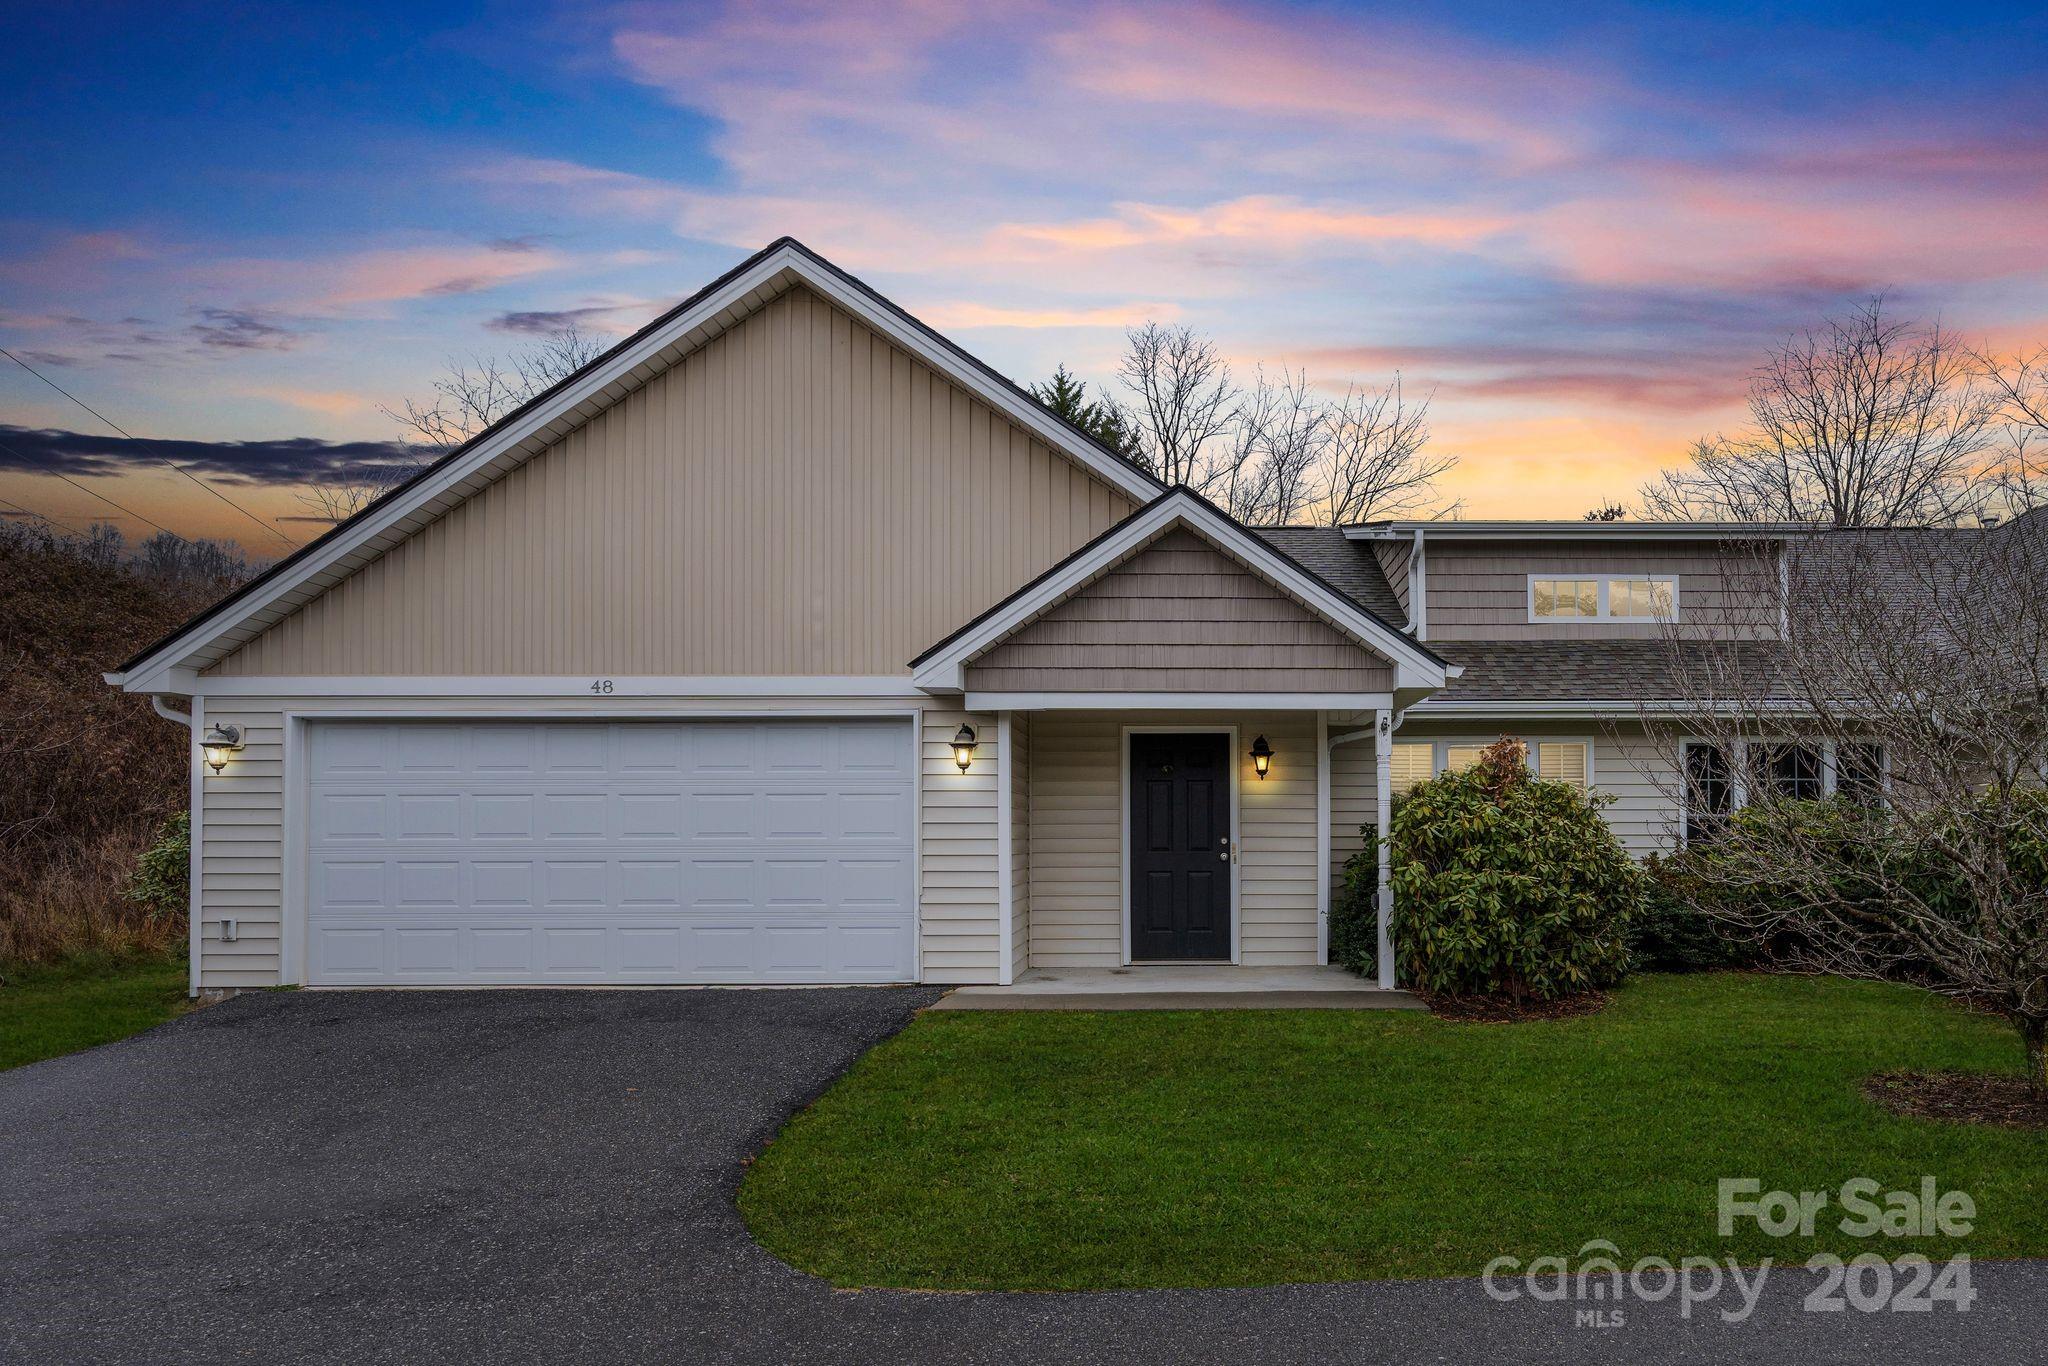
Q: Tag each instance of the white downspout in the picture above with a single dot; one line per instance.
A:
(1418, 589)
(1383, 785)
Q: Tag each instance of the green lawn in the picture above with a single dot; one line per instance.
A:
(45, 1011)
(1049, 1151)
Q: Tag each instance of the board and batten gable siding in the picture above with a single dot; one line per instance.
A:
(1075, 781)
(959, 911)
(1179, 616)
(1479, 590)
(798, 496)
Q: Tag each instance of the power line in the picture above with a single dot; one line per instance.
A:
(271, 529)
(40, 516)
(131, 512)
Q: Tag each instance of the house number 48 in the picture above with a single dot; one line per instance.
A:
(601, 686)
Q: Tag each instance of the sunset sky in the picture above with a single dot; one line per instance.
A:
(239, 230)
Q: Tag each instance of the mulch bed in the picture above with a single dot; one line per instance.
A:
(1503, 1010)
(1960, 1098)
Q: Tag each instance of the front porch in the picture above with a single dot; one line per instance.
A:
(1193, 986)
(1158, 851)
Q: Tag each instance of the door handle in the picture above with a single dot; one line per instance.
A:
(1224, 853)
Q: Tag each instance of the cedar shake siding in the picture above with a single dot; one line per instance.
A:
(1179, 616)
(1480, 590)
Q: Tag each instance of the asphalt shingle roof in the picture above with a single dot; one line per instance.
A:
(1345, 565)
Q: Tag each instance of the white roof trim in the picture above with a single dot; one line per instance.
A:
(785, 264)
(1575, 531)
(944, 668)
(1177, 701)
(1457, 706)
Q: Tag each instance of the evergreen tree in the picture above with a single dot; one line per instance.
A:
(1104, 420)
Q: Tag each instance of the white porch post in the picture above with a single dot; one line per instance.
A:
(1322, 837)
(1383, 782)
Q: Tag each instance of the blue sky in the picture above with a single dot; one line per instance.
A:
(1581, 224)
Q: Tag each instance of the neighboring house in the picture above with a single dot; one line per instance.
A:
(659, 680)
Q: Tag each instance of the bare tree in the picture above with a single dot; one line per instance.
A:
(1278, 433)
(1274, 452)
(338, 498)
(1869, 420)
(201, 568)
(2020, 383)
(1888, 756)
(1377, 465)
(471, 395)
(1184, 396)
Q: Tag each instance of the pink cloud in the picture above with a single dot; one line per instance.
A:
(972, 315)
(1324, 72)
(356, 280)
(1695, 227)
(1261, 220)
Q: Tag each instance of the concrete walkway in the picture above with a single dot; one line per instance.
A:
(1181, 986)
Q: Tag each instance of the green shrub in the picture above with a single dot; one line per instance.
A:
(163, 875)
(1506, 885)
(1672, 934)
(1354, 919)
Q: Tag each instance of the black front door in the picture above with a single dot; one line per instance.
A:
(1180, 846)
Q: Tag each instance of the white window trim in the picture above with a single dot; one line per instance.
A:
(1602, 579)
(1738, 786)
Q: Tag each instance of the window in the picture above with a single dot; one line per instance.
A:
(1413, 763)
(1785, 769)
(1645, 597)
(1564, 597)
(1640, 599)
(1709, 796)
(1417, 761)
(1859, 774)
(1459, 757)
(1562, 761)
(1791, 772)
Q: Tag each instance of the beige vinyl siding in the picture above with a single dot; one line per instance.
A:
(1480, 590)
(1179, 616)
(798, 496)
(959, 915)
(1077, 899)
(1354, 800)
(241, 859)
(1019, 778)
(242, 854)
(1631, 764)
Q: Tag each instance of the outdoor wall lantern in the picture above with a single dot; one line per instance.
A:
(220, 744)
(1262, 757)
(963, 747)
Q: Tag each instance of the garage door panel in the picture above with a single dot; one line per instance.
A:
(592, 852)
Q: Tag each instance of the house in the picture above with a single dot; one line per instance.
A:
(788, 643)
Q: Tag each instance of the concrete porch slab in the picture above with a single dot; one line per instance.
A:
(1194, 986)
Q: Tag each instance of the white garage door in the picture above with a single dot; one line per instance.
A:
(573, 851)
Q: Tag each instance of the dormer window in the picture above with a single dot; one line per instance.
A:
(1635, 598)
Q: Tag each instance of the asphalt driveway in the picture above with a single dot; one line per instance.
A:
(549, 1175)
